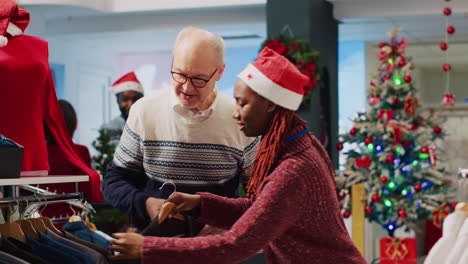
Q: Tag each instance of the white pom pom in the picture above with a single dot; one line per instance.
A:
(3, 41)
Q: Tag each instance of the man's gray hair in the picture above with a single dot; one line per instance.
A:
(213, 39)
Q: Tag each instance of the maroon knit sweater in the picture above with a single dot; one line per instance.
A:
(294, 219)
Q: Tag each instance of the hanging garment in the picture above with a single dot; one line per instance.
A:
(94, 255)
(101, 250)
(29, 99)
(83, 258)
(7, 258)
(441, 250)
(20, 250)
(50, 254)
(80, 230)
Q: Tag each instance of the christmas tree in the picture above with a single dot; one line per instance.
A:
(391, 148)
(106, 149)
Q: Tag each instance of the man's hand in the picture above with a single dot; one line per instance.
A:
(130, 245)
(183, 202)
(153, 205)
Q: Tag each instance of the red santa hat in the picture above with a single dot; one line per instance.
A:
(128, 82)
(276, 78)
(13, 20)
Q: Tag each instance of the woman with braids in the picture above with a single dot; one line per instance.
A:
(292, 210)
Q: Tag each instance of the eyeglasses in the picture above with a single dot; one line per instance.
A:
(196, 82)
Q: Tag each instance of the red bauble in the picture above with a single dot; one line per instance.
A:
(368, 140)
(451, 30)
(407, 78)
(447, 11)
(406, 143)
(390, 159)
(374, 100)
(448, 99)
(402, 63)
(443, 46)
(369, 209)
(453, 205)
(384, 180)
(425, 150)
(346, 214)
(417, 187)
(353, 131)
(447, 67)
(437, 130)
(402, 213)
(395, 100)
(372, 83)
(382, 44)
(375, 198)
(339, 146)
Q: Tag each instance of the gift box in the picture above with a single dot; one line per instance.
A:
(397, 251)
(11, 156)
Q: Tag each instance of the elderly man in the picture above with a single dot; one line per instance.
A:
(180, 135)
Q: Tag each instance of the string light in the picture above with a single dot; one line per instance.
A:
(388, 203)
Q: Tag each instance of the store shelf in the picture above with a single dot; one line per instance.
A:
(45, 180)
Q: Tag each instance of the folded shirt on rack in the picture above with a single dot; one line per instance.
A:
(93, 254)
(50, 254)
(7, 258)
(80, 230)
(21, 250)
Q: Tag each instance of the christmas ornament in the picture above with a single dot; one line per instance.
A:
(374, 100)
(384, 180)
(346, 214)
(368, 140)
(407, 79)
(402, 213)
(443, 46)
(448, 99)
(437, 130)
(390, 159)
(402, 63)
(439, 214)
(368, 209)
(375, 198)
(395, 101)
(447, 67)
(451, 30)
(432, 155)
(339, 146)
(453, 205)
(425, 150)
(363, 163)
(353, 131)
(447, 11)
(417, 187)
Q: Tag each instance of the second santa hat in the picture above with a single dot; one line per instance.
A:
(128, 82)
(276, 78)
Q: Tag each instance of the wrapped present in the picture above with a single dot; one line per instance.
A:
(397, 251)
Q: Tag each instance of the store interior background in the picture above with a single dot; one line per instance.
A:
(92, 43)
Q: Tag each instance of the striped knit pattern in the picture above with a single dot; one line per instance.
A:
(190, 156)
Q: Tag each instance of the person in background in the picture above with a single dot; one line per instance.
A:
(292, 212)
(180, 135)
(59, 165)
(128, 90)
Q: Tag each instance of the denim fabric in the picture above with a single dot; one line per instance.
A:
(80, 230)
(20, 250)
(50, 254)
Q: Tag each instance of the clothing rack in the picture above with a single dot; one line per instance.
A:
(57, 198)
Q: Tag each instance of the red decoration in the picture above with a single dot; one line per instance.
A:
(363, 163)
(447, 11)
(417, 187)
(443, 46)
(402, 63)
(410, 106)
(447, 67)
(382, 44)
(448, 99)
(374, 100)
(385, 113)
(372, 83)
(346, 214)
(437, 130)
(395, 101)
(453, 205)
(406, 143)
(402, 213)
(451, 30)
(397, 251)
(384, 180)
(375, 198)
(425, 150)
(353, 131)
(339, 146)
(407, 79)
(439, 214)
(390, 159)
(368, 140)
(369, 209)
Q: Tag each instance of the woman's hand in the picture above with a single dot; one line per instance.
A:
(130, 245)
(183, 202)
